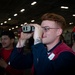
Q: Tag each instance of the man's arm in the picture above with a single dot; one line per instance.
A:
(20, 60)
(9, 69)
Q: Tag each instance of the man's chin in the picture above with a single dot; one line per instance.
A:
(4, 46)
(43, 42)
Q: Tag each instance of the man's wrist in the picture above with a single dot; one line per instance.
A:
(20, 43)
(37, 40)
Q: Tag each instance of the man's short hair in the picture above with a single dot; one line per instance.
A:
(55, 17)
(10, 34)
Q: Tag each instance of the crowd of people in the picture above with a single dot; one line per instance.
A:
(49, 54)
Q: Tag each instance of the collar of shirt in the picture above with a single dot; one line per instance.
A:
(48, 52)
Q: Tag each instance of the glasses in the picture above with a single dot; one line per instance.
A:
(48, 28)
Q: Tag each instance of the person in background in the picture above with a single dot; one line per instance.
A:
(49, 55)
(62, 39)
(73, 36)
(7, 41)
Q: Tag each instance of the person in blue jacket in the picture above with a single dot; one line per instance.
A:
(49, 55)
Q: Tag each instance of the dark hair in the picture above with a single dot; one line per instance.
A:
(10, 34)
(55, 17)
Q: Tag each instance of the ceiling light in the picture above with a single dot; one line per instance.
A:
(64, 7)
(73, 14)
(32, 20)
(21, 24)
(25, 23)
(9, 19)
(5, 21)
(15, 14)
(12, 27)
(22, 10)
(71, 23)
(33, 3)
(16, 26)
(9, 29)
(1, 23)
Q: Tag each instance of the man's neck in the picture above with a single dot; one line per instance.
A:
(50, 46)
(9, 48)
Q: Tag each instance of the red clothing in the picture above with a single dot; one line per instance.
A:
(5, 54)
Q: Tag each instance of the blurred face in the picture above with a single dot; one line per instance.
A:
(51, 32)
(6, 41)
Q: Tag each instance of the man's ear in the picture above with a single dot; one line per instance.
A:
(12, 40)
(59, 31)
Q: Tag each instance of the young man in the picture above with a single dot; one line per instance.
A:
(50, 55)
(7, 41)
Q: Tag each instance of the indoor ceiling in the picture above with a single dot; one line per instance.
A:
(33, 12)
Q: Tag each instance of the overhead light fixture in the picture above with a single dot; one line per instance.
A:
(64, 7)
(9, 19)
(22, 24)
(71, 23)
(73, 14)
(25, 23)
(16, 27)
(22, 10)
(12, 27)
(32, 20)
(1, 23)
(5, 21)
(9, 29)
(33, 3)
(15, 14)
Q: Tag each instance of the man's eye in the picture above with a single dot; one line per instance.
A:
(46, 28)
